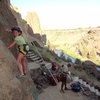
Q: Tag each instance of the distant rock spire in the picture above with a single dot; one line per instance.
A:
(33, 20)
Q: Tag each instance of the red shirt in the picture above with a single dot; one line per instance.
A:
(53, 66)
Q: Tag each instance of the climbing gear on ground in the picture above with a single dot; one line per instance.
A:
(16, 28)
(76, 86)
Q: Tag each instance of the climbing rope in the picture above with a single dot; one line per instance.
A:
(46, 66)
(35, 93)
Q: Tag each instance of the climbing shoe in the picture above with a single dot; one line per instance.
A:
(20, 76)
(62, 91)
(66, 88)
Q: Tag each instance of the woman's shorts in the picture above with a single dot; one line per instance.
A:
(63, 78)
(22, 49)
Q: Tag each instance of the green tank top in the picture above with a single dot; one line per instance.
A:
(20, 40)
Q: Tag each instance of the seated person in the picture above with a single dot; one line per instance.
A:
(53, 66)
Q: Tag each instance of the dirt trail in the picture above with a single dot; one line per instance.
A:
(53, 93)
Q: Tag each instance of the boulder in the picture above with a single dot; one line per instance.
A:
(91, 69)
(12, 88)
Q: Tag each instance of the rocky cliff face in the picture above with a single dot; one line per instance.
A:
(32, 24)
(89, 46)
(84, 42)
(33, 20)
(7, 20)
(10, 87)
(22, 23)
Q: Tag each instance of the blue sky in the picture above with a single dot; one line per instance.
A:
(62, 13)
(55, 2)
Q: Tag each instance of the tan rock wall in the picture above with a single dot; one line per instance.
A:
(33, 20)
(12, 88)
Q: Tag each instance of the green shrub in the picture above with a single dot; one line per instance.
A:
(69, 59)
(77, 61)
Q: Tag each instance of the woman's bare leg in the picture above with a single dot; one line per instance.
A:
(62, 86)
(19, 65)
(24, 65)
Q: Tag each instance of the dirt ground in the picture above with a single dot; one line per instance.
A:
(53, 93)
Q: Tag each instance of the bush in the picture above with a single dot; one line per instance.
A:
(78, 61)
(69, 59)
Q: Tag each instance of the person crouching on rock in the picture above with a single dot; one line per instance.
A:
(19, 40)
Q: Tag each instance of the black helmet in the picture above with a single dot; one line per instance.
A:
(17, 29)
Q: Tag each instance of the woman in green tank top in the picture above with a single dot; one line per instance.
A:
(19, 40)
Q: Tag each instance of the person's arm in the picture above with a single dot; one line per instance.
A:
(66, 72)
(12, 44)
(8, 30)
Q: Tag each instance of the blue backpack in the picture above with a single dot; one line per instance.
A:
(76, 86)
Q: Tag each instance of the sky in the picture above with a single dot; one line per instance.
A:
(62, 14)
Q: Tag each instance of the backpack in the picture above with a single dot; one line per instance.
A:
(76, 86)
